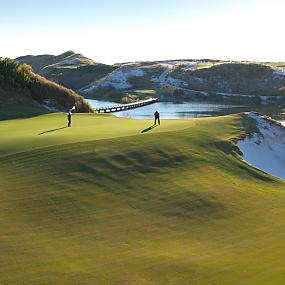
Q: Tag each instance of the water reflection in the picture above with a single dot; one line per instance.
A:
(171, 110)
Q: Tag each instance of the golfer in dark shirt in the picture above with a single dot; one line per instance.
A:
(69, 118)
(156, 117)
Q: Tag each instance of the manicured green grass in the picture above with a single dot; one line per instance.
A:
(146, 91)
(104, 203)
(68, 67)
(201, 65)
(49, 130)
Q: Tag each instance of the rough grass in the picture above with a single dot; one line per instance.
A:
(76, 78)
(101, 203)
(43, 89)
(21, 83)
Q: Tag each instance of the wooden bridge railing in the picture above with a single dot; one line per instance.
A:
(122, 107)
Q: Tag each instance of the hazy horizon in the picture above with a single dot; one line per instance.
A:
(123, 31)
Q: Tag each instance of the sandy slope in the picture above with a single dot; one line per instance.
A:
(265, 149)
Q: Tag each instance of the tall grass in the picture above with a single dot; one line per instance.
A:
(20, 77)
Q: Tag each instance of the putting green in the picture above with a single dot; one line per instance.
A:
(46, 130)
(104, 203)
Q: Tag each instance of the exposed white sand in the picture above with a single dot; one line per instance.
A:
(279, 71)
(265, 149)
(117, 79)
(165, 78)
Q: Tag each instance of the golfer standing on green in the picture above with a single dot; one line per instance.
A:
(69, 118)
(156, 117)
(69, 114)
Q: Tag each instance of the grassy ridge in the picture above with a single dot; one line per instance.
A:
(19, 85)
(69, 69)
(103, 203)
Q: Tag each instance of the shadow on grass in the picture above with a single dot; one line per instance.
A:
(53, 130)
(148, 129)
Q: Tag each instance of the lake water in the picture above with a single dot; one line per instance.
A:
(171, 110)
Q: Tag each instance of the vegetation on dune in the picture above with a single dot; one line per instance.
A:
(136, 95)
(14, 74)
(43, 89)
(130, 98)
(101, 203)
(40, 62)
(22, 84)
(139, 81)
(229, 69)
(76, 77)
(69, 69)
(236, 78)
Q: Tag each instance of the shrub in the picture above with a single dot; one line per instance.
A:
(130, 98)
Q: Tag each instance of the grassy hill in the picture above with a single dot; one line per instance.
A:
(237, 78)
(104, 203)
(20, 88)
(66, 59)
(70, 69)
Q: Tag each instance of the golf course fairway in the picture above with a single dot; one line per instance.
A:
(115, 201)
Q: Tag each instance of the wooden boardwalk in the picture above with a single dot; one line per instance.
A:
(122, 107)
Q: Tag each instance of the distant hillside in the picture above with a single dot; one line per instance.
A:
(179, 79)
(170, 79)
(19, 86)
(69, 69)
(246, 78)
(236, 78)
(69, 58)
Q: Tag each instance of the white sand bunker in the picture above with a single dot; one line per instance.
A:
(265, 149)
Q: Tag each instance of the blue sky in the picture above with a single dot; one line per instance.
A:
(116, 31)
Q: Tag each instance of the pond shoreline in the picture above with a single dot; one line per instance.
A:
(191, 109)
